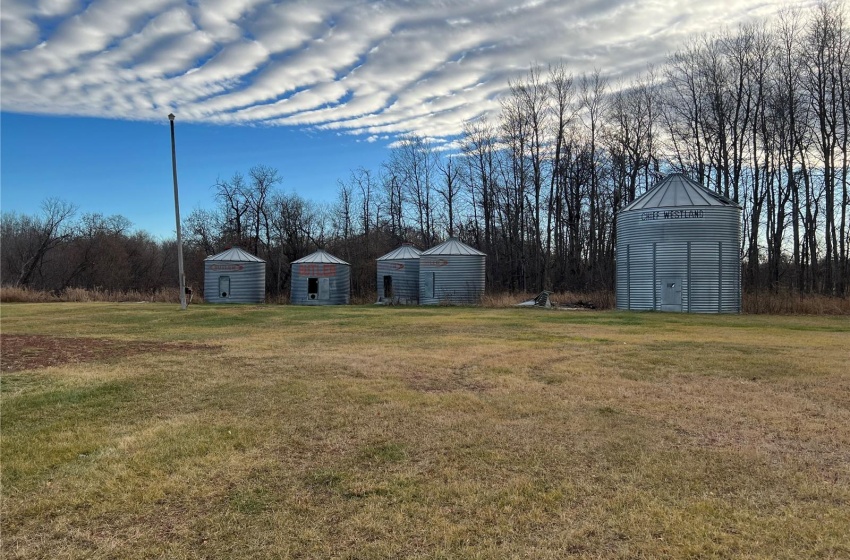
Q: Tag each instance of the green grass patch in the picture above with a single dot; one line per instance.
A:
(383, 453)
(389, 432)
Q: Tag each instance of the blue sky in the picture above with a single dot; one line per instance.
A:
(112, 166)
(314, 88)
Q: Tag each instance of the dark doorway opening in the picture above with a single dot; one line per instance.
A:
(388, 286)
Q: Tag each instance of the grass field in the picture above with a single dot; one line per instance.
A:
(376, 432)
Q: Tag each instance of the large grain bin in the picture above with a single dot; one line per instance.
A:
(320, 279)
(678, 249)
(451, 273)
(234, 276)
(398, 275)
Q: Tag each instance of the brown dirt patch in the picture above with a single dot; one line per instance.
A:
(21, 352)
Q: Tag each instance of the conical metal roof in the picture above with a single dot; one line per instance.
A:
(234, 254)
(405, 252)
(452, 247)
(677, 191)
(320, 256)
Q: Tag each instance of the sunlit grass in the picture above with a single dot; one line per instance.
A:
(374, 432)
(758, 302)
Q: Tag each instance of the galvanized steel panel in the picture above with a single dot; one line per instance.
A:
(234, 254)
(405, 252)
(699, 246)
(333, 283)
(247, 281)
(451, 272)
(401, 265)
(320, 256)
(405, 280)
(453, 247)
(678, 191)
(457, 279)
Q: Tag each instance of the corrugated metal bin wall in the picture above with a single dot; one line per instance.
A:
(234, 281)
(320, 283)
(398, 276)
(451, 278)
(680, 259)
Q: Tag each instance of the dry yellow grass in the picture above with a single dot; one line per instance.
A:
(599, 299)
(22, 294)
(763, 302)
(787, 302)
(376, 432)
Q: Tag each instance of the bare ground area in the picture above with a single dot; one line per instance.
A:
(24, 352)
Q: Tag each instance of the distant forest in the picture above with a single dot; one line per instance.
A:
(760, 114)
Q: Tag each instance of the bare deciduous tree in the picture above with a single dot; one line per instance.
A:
(34, 238)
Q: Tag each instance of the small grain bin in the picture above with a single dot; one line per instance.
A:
(398, 275)
(678, 249)
(451, 273)
(234, 276)
(320, 279)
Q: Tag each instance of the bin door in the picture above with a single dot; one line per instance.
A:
(671, 294)
(428, 281)
(224, 286)
(324, 288)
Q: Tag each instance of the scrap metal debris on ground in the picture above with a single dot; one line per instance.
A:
(544, 300)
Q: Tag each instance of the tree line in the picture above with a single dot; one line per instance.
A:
(56, 249)
(760, 114)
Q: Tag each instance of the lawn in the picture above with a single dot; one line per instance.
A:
(388, 432)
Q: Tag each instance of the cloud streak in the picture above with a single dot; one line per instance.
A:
(371, 67)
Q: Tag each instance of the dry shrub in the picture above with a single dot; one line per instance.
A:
(363, 299)
(771, 303)
(22, 294)
(18, 294)
(791, 303)
(599, 299)
(81, 295)
(762, 302)
(279, 299)
(161, 295)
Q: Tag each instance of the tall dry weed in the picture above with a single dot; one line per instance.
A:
(22, 294)
(791, 303)
(756, 303)
(19, 294)
(279, 299)
(600, 299)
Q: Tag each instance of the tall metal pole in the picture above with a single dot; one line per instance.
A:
(177, 219)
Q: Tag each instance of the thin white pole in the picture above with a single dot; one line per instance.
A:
(177, 218)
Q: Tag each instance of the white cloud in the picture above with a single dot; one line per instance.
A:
(376, 69)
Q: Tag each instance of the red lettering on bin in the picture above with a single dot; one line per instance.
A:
(317, 270)
(227, 267)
